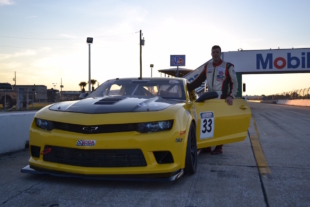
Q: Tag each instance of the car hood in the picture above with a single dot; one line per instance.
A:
(114, 104)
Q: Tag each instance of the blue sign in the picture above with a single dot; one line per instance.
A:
(177, 60)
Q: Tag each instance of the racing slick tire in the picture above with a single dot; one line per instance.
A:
(191, 151)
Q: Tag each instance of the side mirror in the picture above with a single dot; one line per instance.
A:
(207, 96)
(83, 95)
(243, 87)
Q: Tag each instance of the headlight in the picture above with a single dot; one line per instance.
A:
(155, 126)
(44, 124)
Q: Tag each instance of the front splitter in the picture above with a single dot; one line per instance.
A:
(166, 177)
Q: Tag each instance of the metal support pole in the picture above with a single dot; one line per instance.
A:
(89, 69)
(177, 71)
(140, 38)
(27, 99)
(4, 104)
(239, 78)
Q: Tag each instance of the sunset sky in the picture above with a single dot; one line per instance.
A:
(44, 41)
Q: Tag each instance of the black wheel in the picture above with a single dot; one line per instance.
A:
(191, 152)
(8, 104)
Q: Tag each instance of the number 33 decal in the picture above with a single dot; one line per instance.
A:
(205, 129)
(206, 125)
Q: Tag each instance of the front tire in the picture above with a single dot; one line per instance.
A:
(191, 151)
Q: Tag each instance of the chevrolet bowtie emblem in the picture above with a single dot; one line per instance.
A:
(90, 129)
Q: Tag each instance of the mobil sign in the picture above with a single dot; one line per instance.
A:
(270, 61)
(289, 61)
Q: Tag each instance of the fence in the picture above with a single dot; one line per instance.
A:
(290, 95)
(24, 99)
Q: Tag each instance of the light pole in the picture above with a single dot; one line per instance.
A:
(61, 86)
(89, 41)
(141, 42)
(152, 65)
(54, 84)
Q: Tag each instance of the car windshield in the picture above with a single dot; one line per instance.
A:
(165, 88)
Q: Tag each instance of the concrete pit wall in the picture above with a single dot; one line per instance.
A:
(14, 130)
(301, 102)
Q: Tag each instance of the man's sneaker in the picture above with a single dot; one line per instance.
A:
(217, 151)
(207, 150)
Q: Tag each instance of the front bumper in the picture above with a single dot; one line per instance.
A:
(163, 177)
(148, 143)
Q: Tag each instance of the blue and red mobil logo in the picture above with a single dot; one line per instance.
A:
(289, 61)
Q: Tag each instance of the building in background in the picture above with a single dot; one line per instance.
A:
(69, 95)
(39, 91)
(173, 71)
(53, 95)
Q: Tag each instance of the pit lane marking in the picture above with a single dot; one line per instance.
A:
(261, 161)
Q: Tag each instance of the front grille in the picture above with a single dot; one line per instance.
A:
(110, 128)
(96, 157)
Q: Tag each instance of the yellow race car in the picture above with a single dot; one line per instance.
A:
(133, 129)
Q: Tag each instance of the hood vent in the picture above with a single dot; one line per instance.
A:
(109, 100)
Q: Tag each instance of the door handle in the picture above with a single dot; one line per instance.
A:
(243, 107)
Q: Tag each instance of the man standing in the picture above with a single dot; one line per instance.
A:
(221, 78)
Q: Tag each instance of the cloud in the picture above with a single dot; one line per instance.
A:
(30, 17)
(68, 36)
(18, 54)
(6, 2)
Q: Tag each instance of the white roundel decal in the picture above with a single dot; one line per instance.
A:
(206, 125)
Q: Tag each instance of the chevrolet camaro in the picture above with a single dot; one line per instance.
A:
(133, 129)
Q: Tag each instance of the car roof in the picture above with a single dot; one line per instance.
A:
(150, 78)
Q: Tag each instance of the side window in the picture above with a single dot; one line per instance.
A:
(170, 91)
(151, 89)
(114, 90)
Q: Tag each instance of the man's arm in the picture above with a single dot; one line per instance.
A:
(198, 81)
(234, 82)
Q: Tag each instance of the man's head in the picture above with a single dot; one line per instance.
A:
(216, 53)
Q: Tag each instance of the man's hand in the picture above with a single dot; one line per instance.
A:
(229, 100)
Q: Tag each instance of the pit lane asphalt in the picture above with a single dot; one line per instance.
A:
(230, 179)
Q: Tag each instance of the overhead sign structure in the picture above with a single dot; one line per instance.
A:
(193, 75)
(262, 62)
(269, 61)
(177, 60)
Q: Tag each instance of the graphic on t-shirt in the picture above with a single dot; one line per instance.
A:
(220, 76)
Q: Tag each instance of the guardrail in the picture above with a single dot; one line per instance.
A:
(22, 99)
